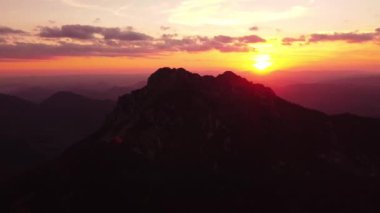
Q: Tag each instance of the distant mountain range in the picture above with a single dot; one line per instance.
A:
(191, 143)
(38, 94)
(32, 133)
(358, 96)
(101, 87)
(332, 92)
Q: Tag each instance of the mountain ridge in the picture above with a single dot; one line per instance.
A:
(187, 143)
(30, 133)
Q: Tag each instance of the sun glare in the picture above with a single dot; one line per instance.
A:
(262, 63)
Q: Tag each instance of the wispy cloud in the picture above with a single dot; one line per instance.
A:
(97, 20)
(86, 32)
(350, 37)
(164, 28)
(75, 3)
(347, 37)
(290, 40)
(8, 30)
(254, 28)
(118, 11)
(223, 12)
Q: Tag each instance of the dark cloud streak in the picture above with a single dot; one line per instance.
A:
(164, 28)
(8, 30)
(70, 31)
(254, 28)
(347, 37)
(290, 40)
(351, 37)
(117, 34)
(45, 51)
(87, 32)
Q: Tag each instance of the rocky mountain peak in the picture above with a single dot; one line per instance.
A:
(176, 79)
(169, 77)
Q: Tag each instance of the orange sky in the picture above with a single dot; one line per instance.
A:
(102, 36)
(332, 56)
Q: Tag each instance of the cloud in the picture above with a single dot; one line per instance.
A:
(8, 30)
(347, 37)
(44, 51)
(164, 28)
(254, 28)
(78, 4)
(97, 20)
(34, 51)
(224, 39)
(105, 8)
(251, 39)
(244, 39)
(289, 40)
(202, 43)
(228, 13)
(169, 36)
(70, 31)
(351, 37)
(128, 35)
(89, 40)
(86, 32)
(221, 43)
(118, 42)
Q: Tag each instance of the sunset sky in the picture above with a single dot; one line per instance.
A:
(113, 36)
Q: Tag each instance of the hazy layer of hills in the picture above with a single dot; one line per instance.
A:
(38, 88)
(359, 95)
(187, 143)
(330, 92)
(33, 133)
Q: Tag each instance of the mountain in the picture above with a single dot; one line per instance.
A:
(11, 104)
(358, 96)
(67, 117)
(38, 94)
(16, 115)
(12, 109)
(32, 133)
(191, 143)
(35, 94)
(100, 87)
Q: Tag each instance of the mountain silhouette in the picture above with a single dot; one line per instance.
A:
(191, 143)
(359, 96)
(100, 87)
(32, 133)
(16, 115)
(69, 110)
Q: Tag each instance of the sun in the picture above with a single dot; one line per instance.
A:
(262, 63)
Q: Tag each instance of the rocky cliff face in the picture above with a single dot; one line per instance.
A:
(187, 143)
